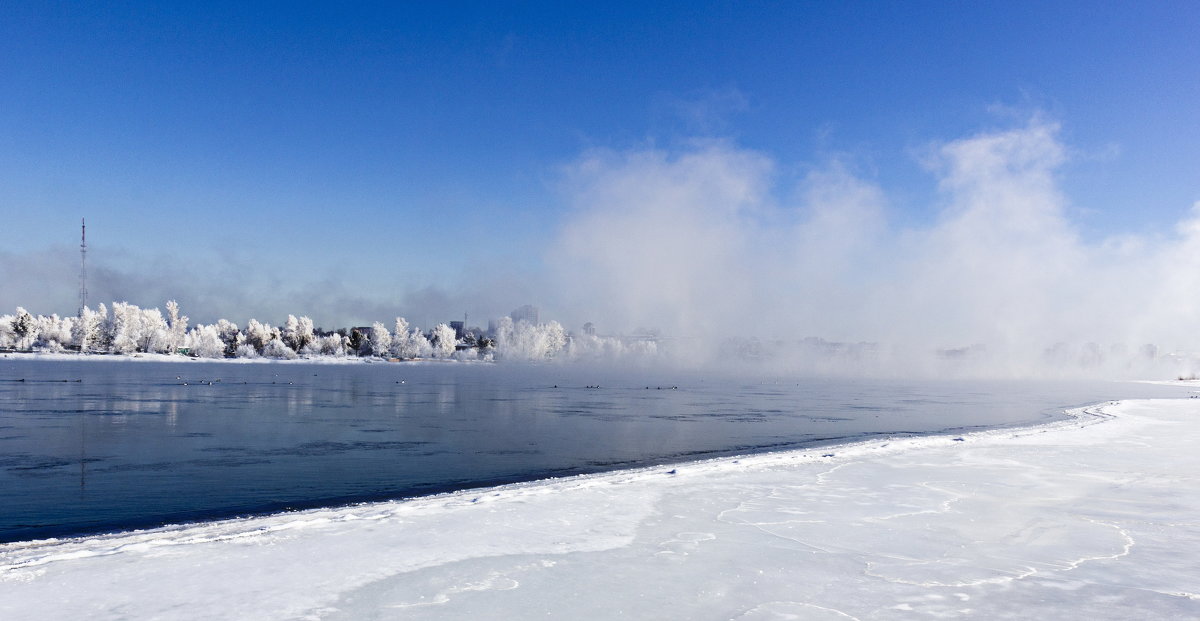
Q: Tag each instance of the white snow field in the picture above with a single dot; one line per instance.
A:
(1094, 518)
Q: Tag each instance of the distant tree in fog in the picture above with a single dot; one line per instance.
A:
(529, 342)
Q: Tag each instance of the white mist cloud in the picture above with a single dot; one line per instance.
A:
(697, 243)
(662, 240)
(1001, 265)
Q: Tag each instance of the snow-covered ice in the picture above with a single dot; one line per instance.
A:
(1092, 518)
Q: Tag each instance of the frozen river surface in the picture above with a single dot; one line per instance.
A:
(101, 445)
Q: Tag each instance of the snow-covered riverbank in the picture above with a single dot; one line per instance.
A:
(1090, 518)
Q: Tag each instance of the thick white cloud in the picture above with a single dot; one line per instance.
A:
(662, 239)
(697, 243)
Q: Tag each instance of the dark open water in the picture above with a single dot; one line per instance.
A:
(91, 446)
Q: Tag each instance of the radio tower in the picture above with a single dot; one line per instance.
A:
(82, 265)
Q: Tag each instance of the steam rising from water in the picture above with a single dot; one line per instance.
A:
(697, 244)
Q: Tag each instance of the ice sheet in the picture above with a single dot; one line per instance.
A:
(1095, 517)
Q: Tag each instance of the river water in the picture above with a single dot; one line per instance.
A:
(109, 444)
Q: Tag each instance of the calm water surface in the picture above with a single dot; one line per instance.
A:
(91, 446)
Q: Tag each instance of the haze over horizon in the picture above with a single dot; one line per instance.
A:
(1011, 174)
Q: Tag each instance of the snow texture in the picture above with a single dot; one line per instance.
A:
(1090, 518)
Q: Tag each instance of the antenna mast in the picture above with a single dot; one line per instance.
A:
(82, 265)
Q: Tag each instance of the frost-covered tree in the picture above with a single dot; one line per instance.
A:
(305, 333)
(416, 345)
(176, 324)
(380, 341)
(85, 333)
(124, 328)
(259, 334)
(156, 336)
(529, 342)
(400, 338)
(132, 329)
(504, 333)
(335, 345)
(231, 337)
(276, 348)
(290, 328)
(298, 333)
(593, 347)
(443, 341)
(53, 333)
(467, 353)
(8, 339)
(104, 333)
(205, 342)
(24, 329)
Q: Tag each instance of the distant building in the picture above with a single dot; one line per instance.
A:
(525, 313)
(459, 328)
(589, 329)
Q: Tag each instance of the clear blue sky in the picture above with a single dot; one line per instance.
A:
(413, 145)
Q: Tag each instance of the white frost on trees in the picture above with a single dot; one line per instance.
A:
(125, 328)
(245, 350)
(231, 337)
(418, 345)
(177, 325)
(85, 334)
(131, 329)
(24, 330)
(205, 342)
(258, 335)
(298, 333)
(525, 341)
(380, 340)
(592, 347)
(8, 340)
(156, 336)
(443, 341)
(53, 333)
(334, 345)
(399, 347)
(276, 348)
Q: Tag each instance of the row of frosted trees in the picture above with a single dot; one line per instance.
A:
(127, 329)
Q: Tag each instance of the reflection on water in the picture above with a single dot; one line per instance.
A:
(104, 445)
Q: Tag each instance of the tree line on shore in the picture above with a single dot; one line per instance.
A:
(127, 329)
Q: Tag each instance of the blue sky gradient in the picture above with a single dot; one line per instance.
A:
(401, 155)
